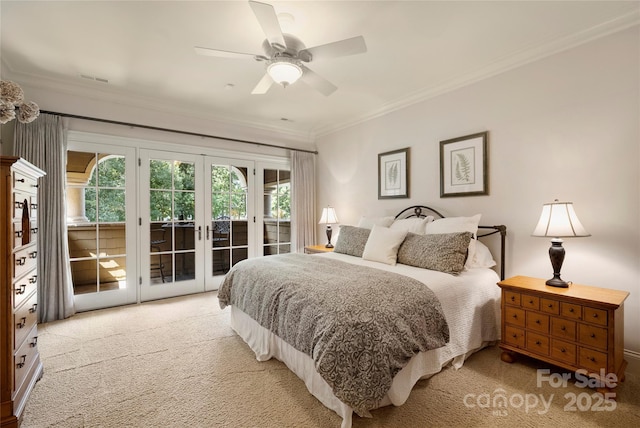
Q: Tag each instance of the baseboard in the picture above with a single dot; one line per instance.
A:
(633, 359)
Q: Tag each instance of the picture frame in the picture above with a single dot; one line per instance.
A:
(393, 174)
(464, 166)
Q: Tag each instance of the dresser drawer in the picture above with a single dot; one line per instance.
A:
(25, 356)
(24, 182)
(514, 336)
(511, 298)
(537, 343)
(570, 310)
(563, 329)
(23, 287)
(538, 322)
(592, 336)
(563, 351)
(550, 306)
(514, 316)
(24, 318)
(24, 260)
(592, 360)
(530, 302)
(595, 316)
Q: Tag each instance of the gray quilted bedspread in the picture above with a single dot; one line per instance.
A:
(360, 325)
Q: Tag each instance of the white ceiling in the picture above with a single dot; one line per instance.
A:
(416, 50)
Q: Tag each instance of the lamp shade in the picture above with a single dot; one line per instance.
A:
(328, 216)
(284, 71)
(559, 220)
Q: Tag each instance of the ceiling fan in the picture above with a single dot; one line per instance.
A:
(284, 54)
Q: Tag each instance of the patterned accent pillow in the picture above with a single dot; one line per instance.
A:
(444, 252)
(352, 240)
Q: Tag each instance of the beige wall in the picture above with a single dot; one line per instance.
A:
(564, 127)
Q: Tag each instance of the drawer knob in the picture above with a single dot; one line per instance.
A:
(537, 321)
(513, 299)
(23, 322)
(537, 342)
(563, 350)
(592, 359)
(19, 180)
(21, 261)
(21, 289)
(33, 279)
(33, 255)
(23, 359)
(18, 234)
(514, 335)
(34, 342)
(515, 316)
(34, 230)
(19, 205)
(563, 328)
(593, 335)
(595, 315)
(531, 302)
(550, 305)
(34, 206)
(571, 310)
(33, 308)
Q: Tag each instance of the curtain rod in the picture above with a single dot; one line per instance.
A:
(175, 131)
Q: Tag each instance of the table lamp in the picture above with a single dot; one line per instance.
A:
(558, 220)
(328, 217)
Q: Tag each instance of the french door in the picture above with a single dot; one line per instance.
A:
(196, 221)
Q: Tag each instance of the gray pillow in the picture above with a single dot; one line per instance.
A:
(352, 240)
(444, 252)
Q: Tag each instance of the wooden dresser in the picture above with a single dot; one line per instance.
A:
(20, 365)
(579, 327)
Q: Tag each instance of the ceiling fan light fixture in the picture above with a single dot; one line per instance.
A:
(284, 70)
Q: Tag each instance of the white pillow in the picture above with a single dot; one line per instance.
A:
(457, 224)
(382, 245)
(369, 222)
(483, 258)
(413, 225)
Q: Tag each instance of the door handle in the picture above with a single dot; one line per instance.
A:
(199, 233)
(207, 235)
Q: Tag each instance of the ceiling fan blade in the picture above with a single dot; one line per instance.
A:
(266, 15)
(263, 85)
(223, 54)
(352, 46)
(317, 82)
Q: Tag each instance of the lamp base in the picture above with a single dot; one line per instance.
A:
(557, 282)
(328, 237)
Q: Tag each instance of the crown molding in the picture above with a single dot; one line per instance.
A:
(499, 66)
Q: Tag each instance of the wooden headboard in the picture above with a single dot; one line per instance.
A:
(422, 211)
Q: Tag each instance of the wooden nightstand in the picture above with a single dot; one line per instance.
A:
(579, 327)
(315, 249)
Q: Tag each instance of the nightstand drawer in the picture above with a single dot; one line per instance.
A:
(596, 316)
(511, 298)
(550, 306)
(570, 310)
(514, 336)
(530, 302)
(538, 322)
(592, 360)
(593, 336)
(514, 316)
(564, 329)
(537, 343)
(563, 351)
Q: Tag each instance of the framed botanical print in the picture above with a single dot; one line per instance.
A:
(393, 174)
(464, 166)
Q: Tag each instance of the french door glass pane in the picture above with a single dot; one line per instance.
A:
(96, 190)
(277, 212)
(229, 229)
(172, 221)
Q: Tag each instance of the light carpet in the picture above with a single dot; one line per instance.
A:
(178, 363)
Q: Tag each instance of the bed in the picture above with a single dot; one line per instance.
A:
(358, 325)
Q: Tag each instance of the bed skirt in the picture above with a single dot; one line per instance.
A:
(267, 345)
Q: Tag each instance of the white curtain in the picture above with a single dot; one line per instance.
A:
(43, 143)
(303, 199)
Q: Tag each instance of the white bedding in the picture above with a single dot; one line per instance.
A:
(471, 304)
